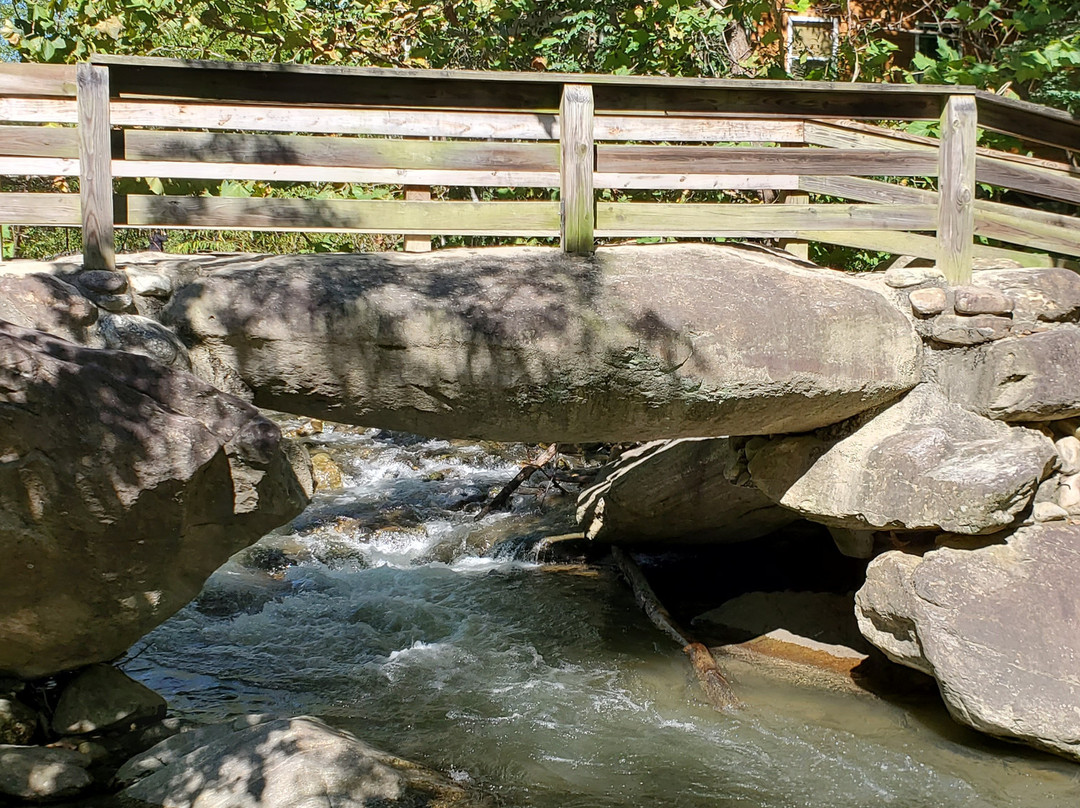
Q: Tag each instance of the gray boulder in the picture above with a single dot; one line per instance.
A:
(148, 477)
(101, 697)
(43, 302)
(922, 464)
(532, 344)
(997, 627)
(253, 762)
(684, 490)
(38, 773)
(1050, 294)
(1032, 378)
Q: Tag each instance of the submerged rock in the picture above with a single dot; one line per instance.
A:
(997, 627)
(253, 762)
(532, 344)
(123, 485)
(922, 464)
(684, 490)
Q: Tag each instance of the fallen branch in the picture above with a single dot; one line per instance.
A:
(528, 470)
(712, 680)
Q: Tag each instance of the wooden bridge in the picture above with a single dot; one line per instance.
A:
(841, 177)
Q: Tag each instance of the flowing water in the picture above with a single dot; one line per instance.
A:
(388, 611)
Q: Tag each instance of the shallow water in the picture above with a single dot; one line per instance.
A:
(388, 611)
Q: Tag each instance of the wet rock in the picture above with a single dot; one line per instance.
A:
(1033, 378)
(46, 303)
(38, 773)
(903, 277)
(955, 329)
(929, 301)
(980, 300)
(1050, 294)
(684, 490)
(326, 471)
(924, 463)
(102, 697)
(18, 722)
(997, 627)
(531, 344)
(141, 335)
(148, 476)
(253, 762)
(102, 281)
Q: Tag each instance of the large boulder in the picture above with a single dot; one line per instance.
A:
(921, 464)
(1031, 378)
(532, 344)
(253, 762)
(1049, 294)
(44, 302)
(686, 490)
(997, 627)
(123, 485)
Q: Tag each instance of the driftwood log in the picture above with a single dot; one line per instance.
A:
(715, 685)
(527, 471)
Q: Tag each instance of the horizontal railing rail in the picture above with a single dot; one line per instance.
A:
(815, 146)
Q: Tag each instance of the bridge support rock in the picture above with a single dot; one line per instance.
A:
(633, 343)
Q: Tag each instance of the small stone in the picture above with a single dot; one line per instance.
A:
(903, 277)
(980, 300)
(853, 543)
(954, 329)
(1068, 450)
(114, 303)
(929, 301)
(149, 284)
(103, 281)
(1068, 494)
(39, 773)
(17, 722)
(101, 697)
(326, 471)
(1048, 512)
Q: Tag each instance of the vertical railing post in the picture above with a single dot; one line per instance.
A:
(417, 243)
(956, 189)
(577, 207)
(95, 167)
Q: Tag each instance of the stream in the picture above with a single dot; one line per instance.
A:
(387, 610)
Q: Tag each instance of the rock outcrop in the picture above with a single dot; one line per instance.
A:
(997, 627)
(253, 762)
(921, 464)
(123, 485)
(687, 490)
(531, 344)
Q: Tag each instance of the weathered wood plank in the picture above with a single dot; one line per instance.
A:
(704, 220)
(956, 189)
(359, 216)
(353, 152)
(37, 110)
(40, 209)
(918, 245)
(577, 213)
(1027, 121)
(38, 141)
(698, 182)
(338, 120)
(798, 248)
(39, 166)
(95, 159)
(696, 129)
(724, 160)
(25, 79)
(1012, 224)
(376, 176)
(1028, 179)
(415, 242)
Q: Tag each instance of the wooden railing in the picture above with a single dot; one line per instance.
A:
(411, 130)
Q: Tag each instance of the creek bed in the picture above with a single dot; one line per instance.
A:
(388, 611)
